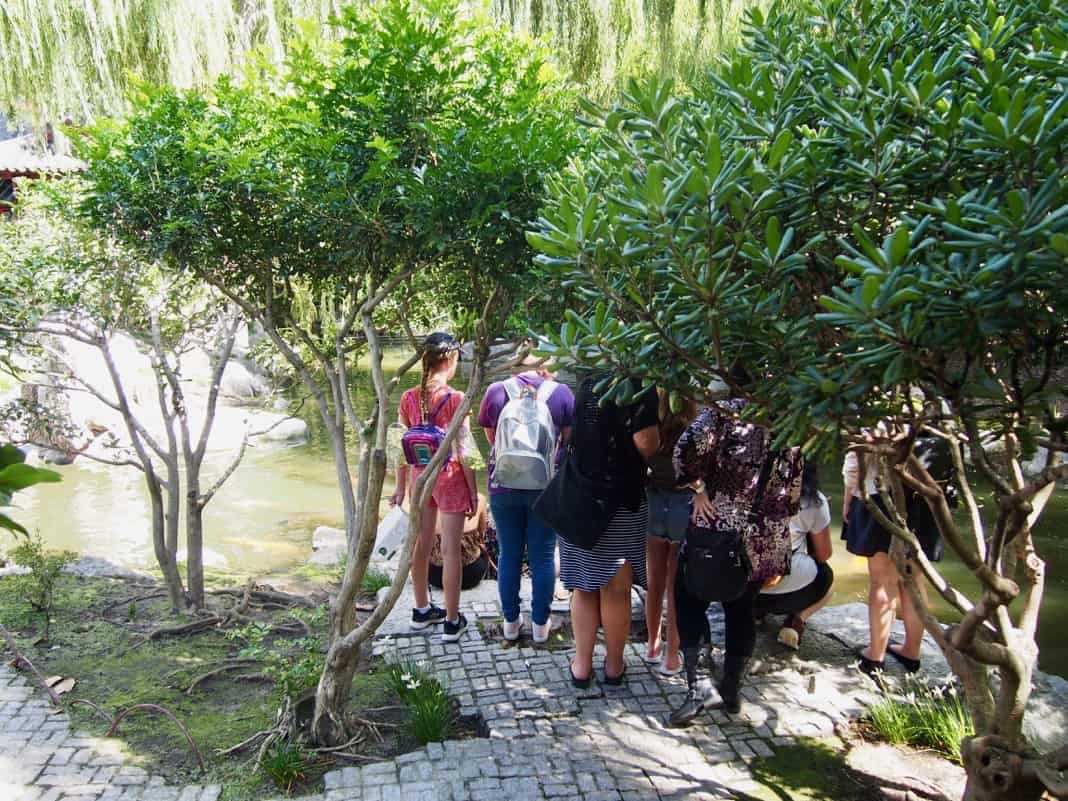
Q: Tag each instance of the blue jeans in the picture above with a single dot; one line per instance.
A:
(519, 528)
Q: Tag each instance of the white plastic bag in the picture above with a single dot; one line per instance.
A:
(391, 533)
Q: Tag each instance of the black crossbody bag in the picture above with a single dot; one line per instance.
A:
(717, 567)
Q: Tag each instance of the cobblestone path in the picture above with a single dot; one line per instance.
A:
(546, 740)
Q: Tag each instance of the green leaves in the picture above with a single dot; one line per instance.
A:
(16, 475)
(850, 221)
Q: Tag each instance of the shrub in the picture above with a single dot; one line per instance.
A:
(431, 714)
(38, 587)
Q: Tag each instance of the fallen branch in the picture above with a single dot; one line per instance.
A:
(246, 743)
(22, 662)
(160, 711)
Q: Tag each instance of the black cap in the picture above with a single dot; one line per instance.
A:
(441, 342)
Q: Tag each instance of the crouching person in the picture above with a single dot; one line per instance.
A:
(807, 587)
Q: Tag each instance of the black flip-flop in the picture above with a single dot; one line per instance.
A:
(582, 684)
(615, 681)
(911, 665)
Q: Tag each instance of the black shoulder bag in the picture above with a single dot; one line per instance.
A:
(717, 567)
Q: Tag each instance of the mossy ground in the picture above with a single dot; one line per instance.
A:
(98, 639)
(811, 770)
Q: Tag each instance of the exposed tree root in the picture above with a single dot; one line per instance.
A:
(266, 595)
(22, 662)
(160, 711)
(96, 708)
(201, 624)
(134, 599)
(234, 664)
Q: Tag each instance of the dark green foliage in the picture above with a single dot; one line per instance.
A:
(866, 198)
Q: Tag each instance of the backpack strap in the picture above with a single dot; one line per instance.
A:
(512, 388)
(438, 408)
(546, 390)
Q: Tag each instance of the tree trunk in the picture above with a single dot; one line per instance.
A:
(328, 726)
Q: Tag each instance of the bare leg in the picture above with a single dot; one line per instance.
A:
(452, 527)
(807, 613)
(421, 557)
(585, 620)
(615, 618)
(911, 616)
(656, 569)
(882, 583)
(672, 659)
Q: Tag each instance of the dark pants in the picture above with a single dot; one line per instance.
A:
(739, 614)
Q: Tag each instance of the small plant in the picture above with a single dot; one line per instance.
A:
(294, 669)
(373, 581)
(38, 587)
(284, 763)
(431, 715)
(924, 717)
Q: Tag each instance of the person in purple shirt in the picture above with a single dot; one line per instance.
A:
(517, 527)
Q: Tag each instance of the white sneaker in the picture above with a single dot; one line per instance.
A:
(541, 632)
(511, 630)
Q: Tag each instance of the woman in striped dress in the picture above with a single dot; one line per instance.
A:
(609, 445)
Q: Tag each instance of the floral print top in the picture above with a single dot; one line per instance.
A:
(728, 453)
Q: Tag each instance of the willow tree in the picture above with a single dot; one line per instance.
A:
(77, 59)
(408, 146)
(868, 209)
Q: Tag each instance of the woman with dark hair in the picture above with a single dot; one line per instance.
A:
(753, 490)
(807, 587)
(669, 517)
(608, 448)
(454, 496)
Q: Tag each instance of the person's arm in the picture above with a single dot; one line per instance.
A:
(819, 544)
(565, 436)
(850, 480)
(397, 498)
(647, 441)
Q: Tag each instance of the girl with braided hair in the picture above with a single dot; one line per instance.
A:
(454, 496)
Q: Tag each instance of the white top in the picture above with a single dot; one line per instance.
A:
(851, 476)
(810, 520)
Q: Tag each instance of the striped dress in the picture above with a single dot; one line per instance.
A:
(604, 447)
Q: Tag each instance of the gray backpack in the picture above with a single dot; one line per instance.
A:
(525, 443)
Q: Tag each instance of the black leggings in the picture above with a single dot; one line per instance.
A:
(739, 613)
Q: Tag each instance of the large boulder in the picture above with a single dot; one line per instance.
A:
(240, 383)
(328, 546)
(278, 428)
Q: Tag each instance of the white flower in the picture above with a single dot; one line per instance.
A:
(413, 685)
(406, 677)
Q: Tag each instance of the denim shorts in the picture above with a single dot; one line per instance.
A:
(669, 513)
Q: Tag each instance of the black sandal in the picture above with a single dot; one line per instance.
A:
(871, 668)
(582, 684)
(615, 681)
(911, 665)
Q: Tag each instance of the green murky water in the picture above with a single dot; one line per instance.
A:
(262, 521)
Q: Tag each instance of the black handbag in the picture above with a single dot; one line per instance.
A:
(576, 507)
(717, 567)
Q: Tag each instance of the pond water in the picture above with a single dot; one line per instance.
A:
(261, 521)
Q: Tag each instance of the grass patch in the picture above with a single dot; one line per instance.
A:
(431, 712)
(923, 717)
(97, 639)
(811, 770)
(374, 580)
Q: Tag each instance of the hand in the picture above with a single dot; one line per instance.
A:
(472, 506)
(771, 582)
(702, 508)
(845, 509)
(397, 498)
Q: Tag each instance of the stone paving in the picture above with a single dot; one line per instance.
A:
(546, 739)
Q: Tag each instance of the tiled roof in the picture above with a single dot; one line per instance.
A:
(19, 157)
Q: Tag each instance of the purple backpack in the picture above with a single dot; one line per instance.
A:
(421, 441)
